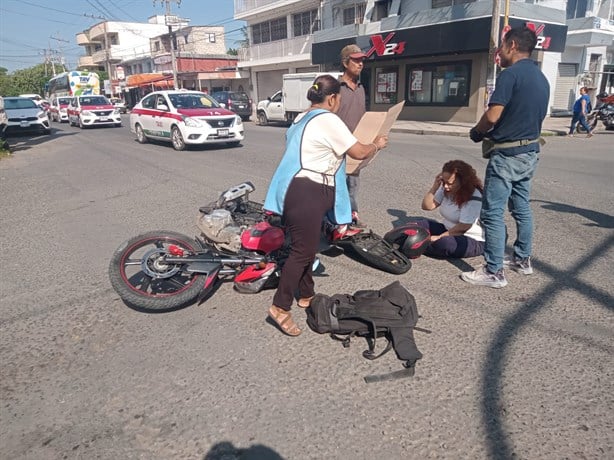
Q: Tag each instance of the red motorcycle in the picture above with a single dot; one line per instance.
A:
(239, 241)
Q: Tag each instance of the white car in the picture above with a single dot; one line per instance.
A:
(118, 104)
(24, 115)
(92, 110)
(184, 117)
(58, 110)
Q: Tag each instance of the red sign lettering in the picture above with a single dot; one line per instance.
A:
(382, 47)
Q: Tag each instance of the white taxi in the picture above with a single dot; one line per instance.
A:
(92, 110)
(184, 117)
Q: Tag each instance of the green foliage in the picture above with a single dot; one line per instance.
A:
(30, 80)
(232, 51)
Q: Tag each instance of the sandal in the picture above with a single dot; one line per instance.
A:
(284, 320)
(304, 302)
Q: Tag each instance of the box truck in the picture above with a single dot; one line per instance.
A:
(285, 105)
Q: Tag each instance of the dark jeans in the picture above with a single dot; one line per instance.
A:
(305, 205)
(507, 184)
(578, 117)
(450, 247)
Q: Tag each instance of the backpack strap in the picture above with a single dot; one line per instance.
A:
(345, 341)
(370, 353)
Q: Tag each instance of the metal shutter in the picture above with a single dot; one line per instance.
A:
(268, 83)
(565, 89)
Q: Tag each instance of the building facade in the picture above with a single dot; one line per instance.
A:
(108, 43)
(433, 54)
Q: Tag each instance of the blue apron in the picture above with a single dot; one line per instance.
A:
(291, 164)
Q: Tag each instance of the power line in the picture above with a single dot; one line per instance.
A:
(123, 11)
(48, 8)
(37, 17)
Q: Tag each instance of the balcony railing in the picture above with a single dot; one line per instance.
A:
(96, 33)
(277, 49)
(247, 6)
(83, 39)
(86, 61)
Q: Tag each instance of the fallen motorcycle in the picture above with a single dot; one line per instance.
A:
(239, 241)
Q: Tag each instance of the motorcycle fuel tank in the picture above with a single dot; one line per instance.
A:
(263, 238)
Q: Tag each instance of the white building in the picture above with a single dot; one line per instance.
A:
(431, 53)
(108, 43)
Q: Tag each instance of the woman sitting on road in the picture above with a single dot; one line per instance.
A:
(308, 183)
(457, 192)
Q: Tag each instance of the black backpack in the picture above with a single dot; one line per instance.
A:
(390, 312)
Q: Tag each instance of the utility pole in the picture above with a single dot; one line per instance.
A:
(49, 57)
(492, 52)
(106, 57)
(61, 58)
(171, 36)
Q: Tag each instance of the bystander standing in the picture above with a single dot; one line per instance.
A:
(510, 133)
(351, 110)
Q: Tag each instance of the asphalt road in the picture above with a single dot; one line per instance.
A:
(522, 372)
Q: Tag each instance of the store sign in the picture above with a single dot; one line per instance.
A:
(543, 43)
(161, 60)
(455, 37)
(384, 46)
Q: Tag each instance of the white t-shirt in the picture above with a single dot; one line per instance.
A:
(325, 141)
(468, 213)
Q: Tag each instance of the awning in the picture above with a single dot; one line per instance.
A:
(223, 75)
(149, 79)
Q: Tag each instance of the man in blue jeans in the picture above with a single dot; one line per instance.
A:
(512, 125)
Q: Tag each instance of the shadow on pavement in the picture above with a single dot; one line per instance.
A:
(18, 142)
(600, 219)
(496, 356)
(227, 451)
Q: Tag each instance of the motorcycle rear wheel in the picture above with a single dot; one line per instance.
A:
(591, 124)
(144, 282)
(373, 250)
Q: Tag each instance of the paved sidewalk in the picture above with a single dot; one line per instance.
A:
(553, 126)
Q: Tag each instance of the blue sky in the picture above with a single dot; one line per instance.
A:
(29, 27)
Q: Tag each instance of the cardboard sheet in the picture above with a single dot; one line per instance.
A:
(371, 125)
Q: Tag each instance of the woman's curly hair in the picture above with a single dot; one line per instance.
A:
(468, 180)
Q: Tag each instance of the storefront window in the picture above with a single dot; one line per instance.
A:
(386, 85)
(439, 84)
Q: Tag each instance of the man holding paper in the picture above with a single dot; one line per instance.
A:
(351, 110)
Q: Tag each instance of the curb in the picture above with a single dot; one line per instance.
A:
(427, 132)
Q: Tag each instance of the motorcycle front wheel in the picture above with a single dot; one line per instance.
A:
(145, 282)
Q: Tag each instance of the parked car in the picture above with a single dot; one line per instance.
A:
(118, 104)
(92, 110)
(237, 101)
(58, 111)
(184, 117)
(35, 97)
(25, 115)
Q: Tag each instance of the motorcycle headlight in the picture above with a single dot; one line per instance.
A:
(87, 113)
(192, 122)
(238, 120)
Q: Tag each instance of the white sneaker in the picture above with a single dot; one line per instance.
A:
(482, 277)
(522, 266)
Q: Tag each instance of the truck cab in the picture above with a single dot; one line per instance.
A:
(286, 104)
(271, 109)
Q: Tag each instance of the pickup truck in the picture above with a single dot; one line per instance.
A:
(285, 105)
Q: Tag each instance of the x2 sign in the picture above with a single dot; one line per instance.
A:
(385, 46)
